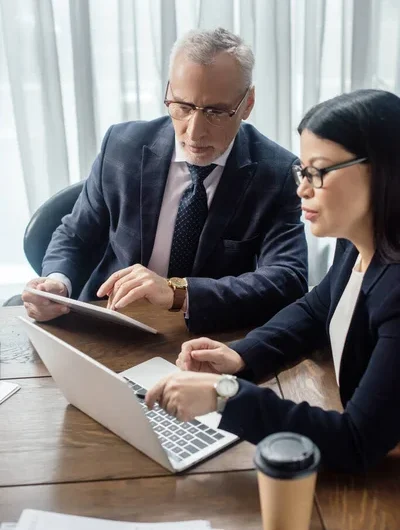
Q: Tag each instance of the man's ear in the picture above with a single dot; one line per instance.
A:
(251, 98)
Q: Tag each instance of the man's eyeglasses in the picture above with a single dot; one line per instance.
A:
(183, 111)
(315, 176)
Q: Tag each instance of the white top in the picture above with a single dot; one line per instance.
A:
(178, 180)
(340, 323)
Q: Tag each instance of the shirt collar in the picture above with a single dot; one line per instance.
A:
(180, 156)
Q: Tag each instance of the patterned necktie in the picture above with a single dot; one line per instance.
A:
(190, 219)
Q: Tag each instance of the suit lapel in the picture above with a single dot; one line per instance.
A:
(236, 177)
(342, 277)
(373, 273)
(156, 160)
(354, 356)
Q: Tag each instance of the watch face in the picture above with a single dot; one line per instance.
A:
(227, 387)
(180, 283)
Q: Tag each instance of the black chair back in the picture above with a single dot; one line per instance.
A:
(44, 222)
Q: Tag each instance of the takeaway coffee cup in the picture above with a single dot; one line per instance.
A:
(287, 465)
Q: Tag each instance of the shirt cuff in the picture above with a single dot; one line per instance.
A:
(58, 276)
(187, 304)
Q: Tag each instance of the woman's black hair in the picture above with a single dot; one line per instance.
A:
(367, 124)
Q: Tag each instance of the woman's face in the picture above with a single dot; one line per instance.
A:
(341, 208)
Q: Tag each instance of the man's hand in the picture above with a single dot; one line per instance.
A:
(185, 395)
(206, 355)
(42, 309)
(133, 283)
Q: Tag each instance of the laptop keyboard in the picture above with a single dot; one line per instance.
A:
(179, 439)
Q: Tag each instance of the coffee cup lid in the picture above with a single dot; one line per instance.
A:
(286, 455)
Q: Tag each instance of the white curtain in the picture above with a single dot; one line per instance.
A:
(70, 68)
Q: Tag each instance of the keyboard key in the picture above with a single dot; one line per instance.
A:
(205, 438)
(174, 438)
(168, 445)
(173, 427)
(218, 436)
(198, 444)
(211, 432)
(181, 443)
(180, 432)
(188, 437)
(173, 456)
(184, 455)
(193, 430)
(191, 449)
(176, 450)
(203, 427)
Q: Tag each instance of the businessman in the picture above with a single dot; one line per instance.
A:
(195, 212)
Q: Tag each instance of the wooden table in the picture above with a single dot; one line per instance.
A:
(54, 457)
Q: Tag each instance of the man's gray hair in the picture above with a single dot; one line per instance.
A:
(201, 47)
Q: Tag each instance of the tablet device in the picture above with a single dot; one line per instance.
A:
(92, 310)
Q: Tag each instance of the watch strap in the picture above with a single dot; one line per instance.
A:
(179, 298)
(221, 404)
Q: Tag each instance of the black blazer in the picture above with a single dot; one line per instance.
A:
(369, 375)
(252, 255)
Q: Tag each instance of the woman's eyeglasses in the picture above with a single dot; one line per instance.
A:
(315, 176)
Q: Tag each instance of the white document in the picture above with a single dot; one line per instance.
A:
(38, 520)
(7, 389)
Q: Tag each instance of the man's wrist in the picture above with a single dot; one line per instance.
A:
(179, 288)
(60, 277)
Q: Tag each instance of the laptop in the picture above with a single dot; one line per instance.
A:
(92, 310)
(111, 400)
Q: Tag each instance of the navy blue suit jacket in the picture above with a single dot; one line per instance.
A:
(251, 260)
(369, 375)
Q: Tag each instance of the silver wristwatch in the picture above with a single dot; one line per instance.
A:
(226, 387)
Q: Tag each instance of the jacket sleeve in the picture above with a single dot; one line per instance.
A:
(353, 440)
(254, 297)
(293, 333)
(78, 243)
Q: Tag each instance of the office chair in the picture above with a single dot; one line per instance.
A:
(41, 227)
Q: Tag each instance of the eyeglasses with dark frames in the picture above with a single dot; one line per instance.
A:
(315, 176)
(180, 110)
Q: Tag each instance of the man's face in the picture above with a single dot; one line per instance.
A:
(218, 85)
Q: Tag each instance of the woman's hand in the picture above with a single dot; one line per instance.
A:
(185, 395)
(206, 355)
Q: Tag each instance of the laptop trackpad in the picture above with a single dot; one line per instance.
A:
(150, 372)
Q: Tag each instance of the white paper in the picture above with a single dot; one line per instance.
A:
(38, 520)
(7, 389)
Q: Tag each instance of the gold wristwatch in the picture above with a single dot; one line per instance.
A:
(179, 286)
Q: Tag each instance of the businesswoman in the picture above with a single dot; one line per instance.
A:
(349, 183)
